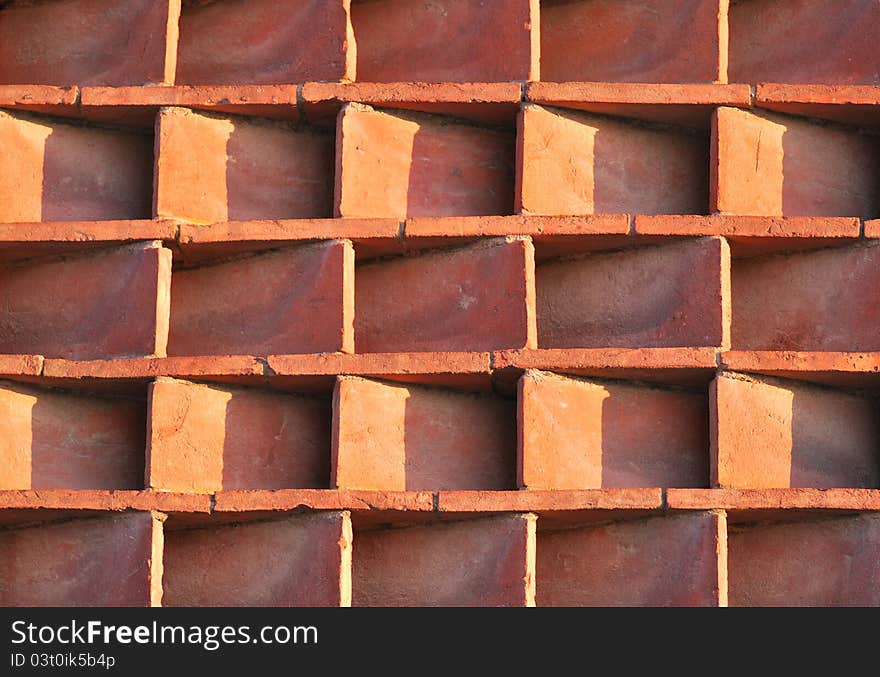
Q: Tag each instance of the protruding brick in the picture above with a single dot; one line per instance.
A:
(53, 171)
(294, 300)
(666, 296)
(634, 40)
(779, 434)
(479, 297)
(401, 164)
(833, 562)
(447, 40)
(219, 168)
(105, 561)
(88, 42)
(206, 438)
(578, 163)
(830, 41)
(302, 560)
(807, 301)
(397, 437)
(664, 561)
(111, 304)
(265, 41)
(484, 562)
(766, 164)
(579, 434)
(55, 440)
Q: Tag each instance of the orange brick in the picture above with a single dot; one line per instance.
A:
(89, 42)
(479, 297)
(265, 41)
(671, 295)
(807, 301)
(776, 434)
(301, 560)
(578, 163)
(293, 300)
(579, 434)
(664, 561)
(397, 437)
(484, 562)
(218, 168)
(446, 40)
(105, 561)
(53, 171)
(766, 164)
(206, 438)
(400, 164)
(55, 440)
(110, 304)
(811, 563)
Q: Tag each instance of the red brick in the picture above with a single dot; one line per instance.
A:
(55, 440)
(40, 98)
(52, 171)
(665, 561)
(212, 168)
(293, 300)
(302, 560)
(110, 304)
(206, 438)
(264, 41)
(772, 165)
(395, 437)
(634, 40)
(812, 563)
(633, 363)
(753, 501)
(851, 369)
(484, 294)
(804, 41)
(261, 501)
(484, 562)
(817, 302)
(676, 294)
(399, 164)
(89, 42)
(107, 561)
(578, 434)
(577, 163)
(446, 40)
(548, 502)
(809, 436)
(18, 365)
(80, 502)
(849, 104)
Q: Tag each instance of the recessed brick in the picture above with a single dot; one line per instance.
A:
(294, 300)
(302, 560)
(479, 297)
(772, 433)
(264, 42)
(60, 440)
(105, 561)
(579, 163)
(677, 560)
(807, 301)
(110, 304)
(446, 40)
(580, 434)
(766, 164)
(83, 42)
(398, 437)
(219, 168)
(671, 295)
(54, 171)
(403, 164)
(204, 438)
(634, 40)
(832, 562)
(484, 562)
(804, 41)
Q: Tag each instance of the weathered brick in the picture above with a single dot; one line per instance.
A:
(204, 438)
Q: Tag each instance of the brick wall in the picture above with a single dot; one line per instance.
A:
(346, 302)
